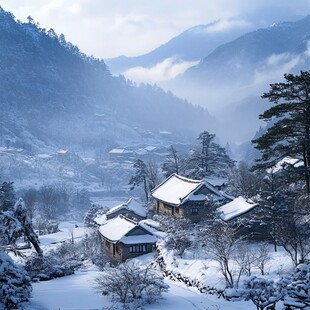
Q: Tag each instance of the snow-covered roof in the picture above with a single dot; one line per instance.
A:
(176, 188)
(100, 219)
(117, 229)
(130, 205)
(216, 181)
(120, 151)
(150, 148)
(235, 208)
(141, 151)
(117, 151)
(285, 161)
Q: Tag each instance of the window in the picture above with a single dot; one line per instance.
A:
(194, 210)
(139, 248)
(176, 210)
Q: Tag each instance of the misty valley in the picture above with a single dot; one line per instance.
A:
(174, 179)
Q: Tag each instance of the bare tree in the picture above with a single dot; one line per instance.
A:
(262, 257)
(221, 244)
(131, 281)
(173, 162)
(152, 175)
(243, 182)
(48, 197)
(245, 258)
(145, 175)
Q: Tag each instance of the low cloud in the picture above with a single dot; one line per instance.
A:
(112, 28)
(223, 25)
(163, 71)
(275, 67)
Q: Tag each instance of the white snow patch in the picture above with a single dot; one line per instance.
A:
(238, 206)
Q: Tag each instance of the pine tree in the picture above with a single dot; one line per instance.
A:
(7, 196)
(15, 286)
(210, 159)
(289, 136)
(140, 177)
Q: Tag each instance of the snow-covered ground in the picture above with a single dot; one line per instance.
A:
(77, 291)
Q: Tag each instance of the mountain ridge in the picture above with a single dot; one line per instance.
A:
(57, 91)
(186, 46)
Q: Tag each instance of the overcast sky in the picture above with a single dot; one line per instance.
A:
(109, 28)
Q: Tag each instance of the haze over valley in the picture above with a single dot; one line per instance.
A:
(155, 155)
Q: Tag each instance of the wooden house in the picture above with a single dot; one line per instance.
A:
(131, 209)
(124, 238)
(244, 214)
(182, 197)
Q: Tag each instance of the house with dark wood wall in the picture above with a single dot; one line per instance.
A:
(123, 238)
(183, 197)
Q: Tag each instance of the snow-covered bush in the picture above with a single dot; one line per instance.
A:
(297, 293)
(170, 224)
(264, 293)
(90, 247)
(15, 284)
(44, 226)
(47, 267)
(130, 282)
(178, 242)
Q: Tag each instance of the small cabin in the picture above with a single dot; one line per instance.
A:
(123, 238)
(132, 209)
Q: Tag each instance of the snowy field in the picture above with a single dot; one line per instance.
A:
(76, 292)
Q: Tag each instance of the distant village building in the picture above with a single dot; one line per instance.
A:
(124, 238)
(182, 197)
(120, 154)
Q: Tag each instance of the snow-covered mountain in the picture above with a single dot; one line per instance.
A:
(257, 51)
(235, 68)
(53, 95)
(230, 80)
(190, 46)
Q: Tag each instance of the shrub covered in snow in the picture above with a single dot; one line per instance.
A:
(15, 284)
(131, 282)
(264, 293)
(90, 247)
(178, 241)
(297, 294)
(47, 267)
(45, 226)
